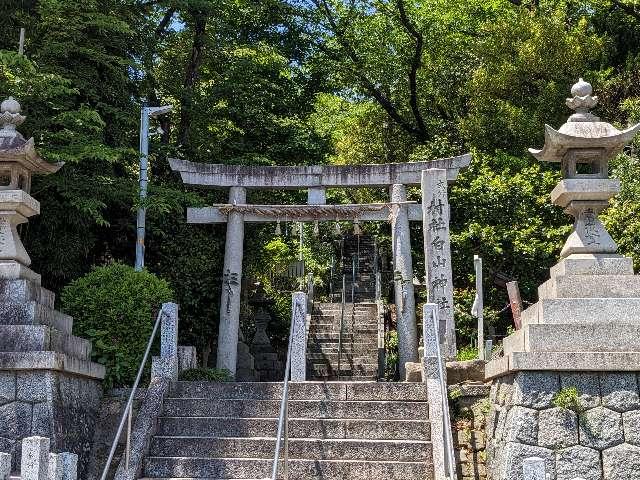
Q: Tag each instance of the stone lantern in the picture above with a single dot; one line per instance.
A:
(583, 146)
(582, 336)
(49, 387)
(18, 162)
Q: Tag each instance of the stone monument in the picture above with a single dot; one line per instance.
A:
(48, 385)
(267, 364)
(566, 390)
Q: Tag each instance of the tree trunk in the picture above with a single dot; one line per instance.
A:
(191, 76)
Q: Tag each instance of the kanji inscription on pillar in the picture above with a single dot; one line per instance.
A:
(437, 251)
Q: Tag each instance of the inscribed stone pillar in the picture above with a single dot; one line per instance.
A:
(231, 275)
(403, 272)
(437, 253)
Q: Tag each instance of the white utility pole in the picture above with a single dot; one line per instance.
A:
(145, 113)
(21, 44)
(478, 306)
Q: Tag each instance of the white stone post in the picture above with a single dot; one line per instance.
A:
(35, 458)
(5, 465)
(55, 467)
(434, 376)
(169, 330)
(166, 365)
(231, 277)
(403, 267)
(437, 253)
(299, 341)
(69, 465)
(478, 305)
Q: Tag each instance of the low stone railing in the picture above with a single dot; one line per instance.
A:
(164, 370)
(38, 463)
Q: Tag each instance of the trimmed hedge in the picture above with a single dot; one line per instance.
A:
(115, 307)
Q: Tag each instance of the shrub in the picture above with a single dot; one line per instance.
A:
(206, 374)
(568, 398)
(467, 353)
(114, 306)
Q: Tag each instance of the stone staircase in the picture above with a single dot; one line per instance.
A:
(359, 359)
(338, 430)
(362, 248)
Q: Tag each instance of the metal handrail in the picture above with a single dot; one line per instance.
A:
(448, 435)
(283, 418)
(128, 411)
(344, 287)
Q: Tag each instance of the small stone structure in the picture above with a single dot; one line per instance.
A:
(48, 385)
(39, 464)
(566, 389)
(267, 363)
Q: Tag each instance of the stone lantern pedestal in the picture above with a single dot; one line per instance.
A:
(566, 389)
(49, 386)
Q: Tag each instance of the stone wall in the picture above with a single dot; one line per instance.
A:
(109, 415)
(50, 404)
(596, 438)
(469, 410)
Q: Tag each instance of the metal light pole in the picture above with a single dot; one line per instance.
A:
(145, 113)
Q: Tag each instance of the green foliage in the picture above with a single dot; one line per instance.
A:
(568, 398)
(391, 355)
(467, 353)
(206, 375)
(283, 82)
(115, 307)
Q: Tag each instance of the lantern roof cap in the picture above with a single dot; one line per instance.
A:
(14, 148)
(583, 130)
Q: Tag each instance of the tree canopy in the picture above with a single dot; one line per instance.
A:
(284, 82)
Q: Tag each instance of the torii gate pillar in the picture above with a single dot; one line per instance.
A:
(231, 280)
(403, 281)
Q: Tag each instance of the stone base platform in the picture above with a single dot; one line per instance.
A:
(48, 384)
(595, 438)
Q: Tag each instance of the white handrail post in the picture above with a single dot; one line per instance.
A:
(435, 377)
(299, 341)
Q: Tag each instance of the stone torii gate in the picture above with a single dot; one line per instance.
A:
(317, 178)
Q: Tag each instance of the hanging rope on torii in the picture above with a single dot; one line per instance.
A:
(301, 213)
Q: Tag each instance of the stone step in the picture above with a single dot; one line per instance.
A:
(330, 369)
(348, 358)
(611, 337)
(33, 338)
(411, 392)
(21, 291)
(232, 468)
(584, 311)
(227, 447)
(337, 306)
(34, 313)
(357, 318)
(298, 428)
(591, 286)
(324, 328)
(384, 410)
(348, 349)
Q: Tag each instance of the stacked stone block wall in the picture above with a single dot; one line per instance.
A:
(108, 418)
(595, 437)
(469, 410)
(48, 404)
